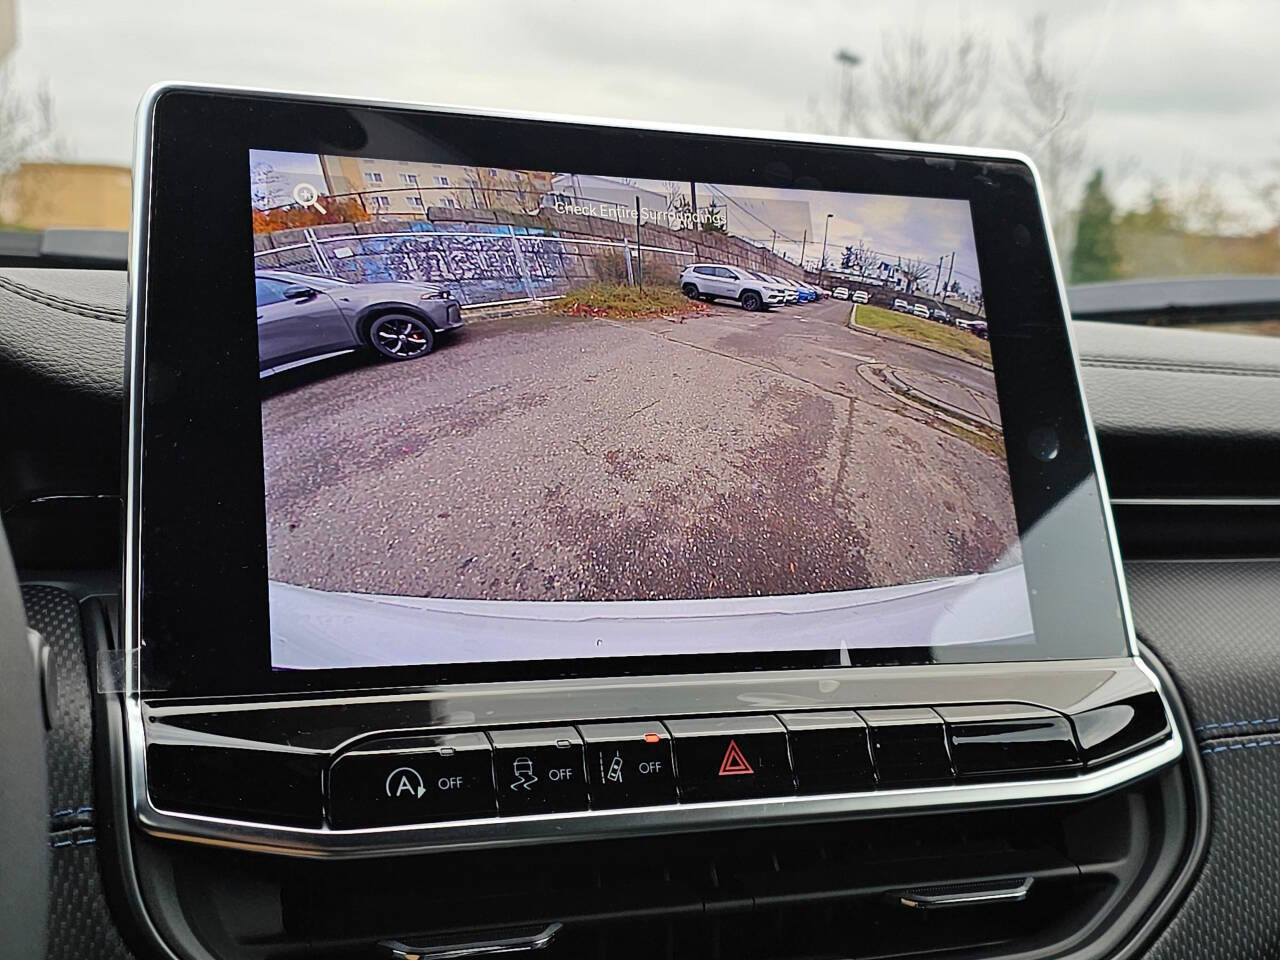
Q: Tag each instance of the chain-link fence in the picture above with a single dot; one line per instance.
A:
(481, 268)
(492, 245)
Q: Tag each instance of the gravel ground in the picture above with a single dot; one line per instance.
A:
(552, 458)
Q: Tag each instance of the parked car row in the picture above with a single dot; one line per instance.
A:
(977, 327)
(749, 288)
(855, 296)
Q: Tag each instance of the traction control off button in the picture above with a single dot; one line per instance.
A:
(538, 770)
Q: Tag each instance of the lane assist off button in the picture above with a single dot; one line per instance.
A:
(731, 758)
(412, 780)
(629, 764)
(538, 770)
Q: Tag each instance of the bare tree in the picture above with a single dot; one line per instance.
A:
(862, 258)
(915, 272)
(919, 89)
(27, 127)
(1048, 120)
(267, 188)
(27, 132)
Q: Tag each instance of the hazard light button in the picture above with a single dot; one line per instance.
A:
(731, 758)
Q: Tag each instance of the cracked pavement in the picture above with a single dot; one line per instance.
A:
(555, 458)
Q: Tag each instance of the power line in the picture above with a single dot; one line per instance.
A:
(752, 215)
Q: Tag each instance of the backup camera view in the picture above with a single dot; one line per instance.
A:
(535, 415)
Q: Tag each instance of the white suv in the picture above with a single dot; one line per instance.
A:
(709, 281)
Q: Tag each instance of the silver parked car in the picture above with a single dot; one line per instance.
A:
(303, 318)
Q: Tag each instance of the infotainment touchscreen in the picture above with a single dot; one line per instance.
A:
(425, 396)
(551, 414)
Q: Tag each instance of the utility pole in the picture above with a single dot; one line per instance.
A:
(774, 242)
(822, 264)
(693, 201)
(949, 269)
(803, 242)
(937, 279)
(639, 254)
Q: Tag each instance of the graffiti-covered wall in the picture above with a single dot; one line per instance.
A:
(488, 262)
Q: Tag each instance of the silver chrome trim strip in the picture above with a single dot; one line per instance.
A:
(1268, 502)
(920, 898)
(321, 842)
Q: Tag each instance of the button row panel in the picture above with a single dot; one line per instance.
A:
(616, 765)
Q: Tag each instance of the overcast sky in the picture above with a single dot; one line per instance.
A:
(1177, 88)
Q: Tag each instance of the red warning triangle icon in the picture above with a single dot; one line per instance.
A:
(734, 762)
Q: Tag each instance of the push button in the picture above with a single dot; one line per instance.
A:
(1009, 738)
(628, 764)
(538, 770)
(830, 751)
(731, 758)
(412, 780)
(1115, 730)
(909, 745)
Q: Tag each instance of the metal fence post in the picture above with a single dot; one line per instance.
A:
(626, 255)
(317, 252)
(525, 276)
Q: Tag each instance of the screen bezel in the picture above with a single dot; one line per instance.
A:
(196, 554)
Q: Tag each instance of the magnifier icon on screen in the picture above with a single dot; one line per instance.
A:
(308, 196)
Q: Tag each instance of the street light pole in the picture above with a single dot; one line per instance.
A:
(822, 264)
(847, 60)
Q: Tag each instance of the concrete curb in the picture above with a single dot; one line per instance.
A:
(875, 375)
(481, 314)
(887, 335)
(891, 375)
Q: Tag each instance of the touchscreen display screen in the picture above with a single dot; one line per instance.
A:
(515, 415)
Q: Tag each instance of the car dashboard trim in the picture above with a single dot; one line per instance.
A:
(324, 842)
(327, 842)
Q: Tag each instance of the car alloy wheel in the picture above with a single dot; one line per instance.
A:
(690, 290)
(400, 337)
(751, 301)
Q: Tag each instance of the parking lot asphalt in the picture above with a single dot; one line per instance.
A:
(556, 458)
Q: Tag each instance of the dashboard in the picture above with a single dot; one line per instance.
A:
(980, 806)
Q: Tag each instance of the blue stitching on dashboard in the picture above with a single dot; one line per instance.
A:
(1248, 745)
(70, 811)
(1235, 723)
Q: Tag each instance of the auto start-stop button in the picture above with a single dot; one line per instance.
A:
(412, 780)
